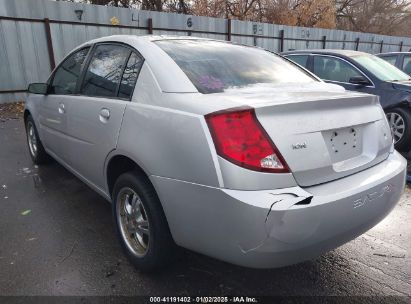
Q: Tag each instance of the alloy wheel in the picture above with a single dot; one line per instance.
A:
(397, 125)
(32, 138)
(133, 221)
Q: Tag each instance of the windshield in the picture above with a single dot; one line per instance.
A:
(214, 66)
(380, 68)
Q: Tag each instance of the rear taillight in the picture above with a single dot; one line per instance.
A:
(239, 138)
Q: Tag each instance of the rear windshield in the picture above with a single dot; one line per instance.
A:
(214, 66)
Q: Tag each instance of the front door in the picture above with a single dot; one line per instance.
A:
(53, 111)
(338, 71)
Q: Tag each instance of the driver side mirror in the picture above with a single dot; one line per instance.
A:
(38, 88)
(359, 80)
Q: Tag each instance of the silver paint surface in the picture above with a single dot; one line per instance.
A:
(254, 217)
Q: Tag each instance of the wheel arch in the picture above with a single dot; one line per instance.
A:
(118, 163)
(405, 104)
(26, 114)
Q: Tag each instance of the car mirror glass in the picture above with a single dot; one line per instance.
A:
(38, 88)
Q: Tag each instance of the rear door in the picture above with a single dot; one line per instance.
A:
(96, 114)
(52, 113)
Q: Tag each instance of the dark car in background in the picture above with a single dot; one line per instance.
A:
(401, 60)
(362, 72)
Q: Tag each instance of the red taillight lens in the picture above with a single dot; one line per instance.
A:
(239, 138)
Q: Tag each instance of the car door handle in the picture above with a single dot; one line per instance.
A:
(104, 115)
(62, 108)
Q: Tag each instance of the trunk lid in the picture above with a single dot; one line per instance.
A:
(323, 132)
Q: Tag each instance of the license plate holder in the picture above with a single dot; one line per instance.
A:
(344, 143)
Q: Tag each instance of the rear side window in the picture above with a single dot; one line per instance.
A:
(334, 69)
(214, 66)
(65, 78)
(391, 59)
(406, 67)
(130, 75)
(103, 74)
(299, 59)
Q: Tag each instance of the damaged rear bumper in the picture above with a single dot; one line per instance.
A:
(274, 228)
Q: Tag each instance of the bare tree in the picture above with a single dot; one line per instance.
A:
(118, 3)
(376, 16)
(177, 6)
(391, 17)
(241, 9)
(319, 13)
(210, 8)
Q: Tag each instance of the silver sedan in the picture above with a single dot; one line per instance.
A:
(224, 149)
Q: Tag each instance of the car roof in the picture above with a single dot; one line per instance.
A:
(347, 53)
(393, 53)
(146, 38)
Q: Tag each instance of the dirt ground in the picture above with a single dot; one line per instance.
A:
(10, 111)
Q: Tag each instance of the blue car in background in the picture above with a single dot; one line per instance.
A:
(401, 60)
(362, 72)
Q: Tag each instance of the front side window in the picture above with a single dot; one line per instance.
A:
(334, 69)
(381, 69)
(65, 78)
(104, 72)
(214, 66)
(299, 59)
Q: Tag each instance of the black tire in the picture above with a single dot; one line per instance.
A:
(161, 247)
(38, 154)
(404, 143)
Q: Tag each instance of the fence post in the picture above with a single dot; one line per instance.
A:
(150, 26)
(228, 29)
(381, 46)
(49, 43)
(357, 43)
(401, 46)
(281, 40)
(324, 41)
